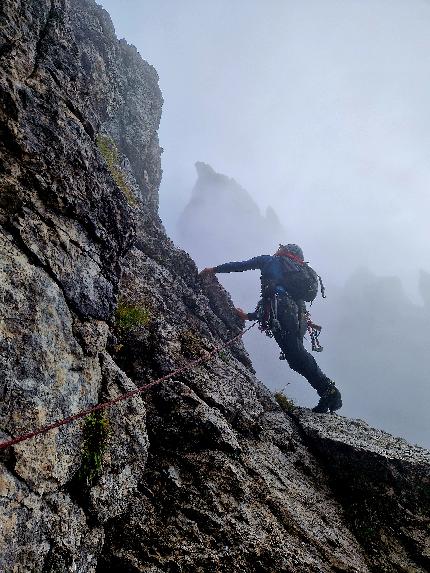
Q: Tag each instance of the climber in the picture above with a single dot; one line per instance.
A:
(286, 283)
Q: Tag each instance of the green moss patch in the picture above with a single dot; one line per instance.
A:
(223, 355)
(95, 440)
(129, 316)
(110, 154)
(286, 404)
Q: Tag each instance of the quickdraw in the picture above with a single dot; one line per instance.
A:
(314, 333)
(267, 316)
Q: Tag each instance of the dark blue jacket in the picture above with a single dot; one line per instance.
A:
(273, 269)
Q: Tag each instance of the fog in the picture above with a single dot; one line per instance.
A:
(375, 337)
(318, 109)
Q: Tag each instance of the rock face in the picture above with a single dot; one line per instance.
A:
(204, 472)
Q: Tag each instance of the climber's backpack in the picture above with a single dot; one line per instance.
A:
(301, 281)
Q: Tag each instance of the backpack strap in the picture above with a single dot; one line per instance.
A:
(294, 258)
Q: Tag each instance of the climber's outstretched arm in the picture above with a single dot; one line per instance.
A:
(239, 266)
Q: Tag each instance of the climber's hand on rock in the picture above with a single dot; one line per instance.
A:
(241, 314)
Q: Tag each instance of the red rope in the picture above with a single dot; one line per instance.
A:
(126, 396)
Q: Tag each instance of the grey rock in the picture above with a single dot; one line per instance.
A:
(203, 471)
(125, 460)
(45, 375)
(382, 483)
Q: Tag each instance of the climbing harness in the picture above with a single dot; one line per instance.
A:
(268, 322)
(108, 404)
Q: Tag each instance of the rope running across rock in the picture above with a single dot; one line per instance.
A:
(122, 397)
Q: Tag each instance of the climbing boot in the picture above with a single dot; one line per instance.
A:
(329, 401)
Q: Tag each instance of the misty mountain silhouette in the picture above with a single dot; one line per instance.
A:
(225, 217)
(373, 334)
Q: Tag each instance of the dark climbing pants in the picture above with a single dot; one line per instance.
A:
(292, 319)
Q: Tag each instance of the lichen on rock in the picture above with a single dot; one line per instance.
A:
(110, 154)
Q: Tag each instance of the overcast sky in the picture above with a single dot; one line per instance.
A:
(319, 108)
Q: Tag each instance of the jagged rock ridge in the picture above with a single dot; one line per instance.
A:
(205, 473)
(225, 214)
